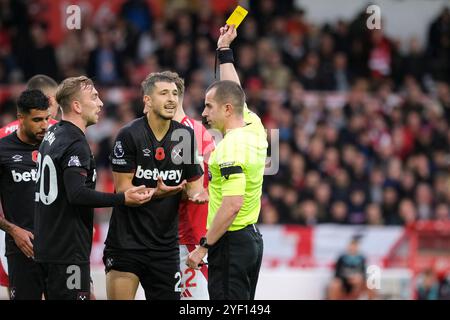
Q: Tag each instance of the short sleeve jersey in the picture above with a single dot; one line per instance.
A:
(237, 168)
(136, 150)
(18, 175)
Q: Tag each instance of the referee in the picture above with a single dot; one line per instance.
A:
(232, 242)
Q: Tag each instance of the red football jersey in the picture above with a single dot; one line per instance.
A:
(192, 219)
(4, 281)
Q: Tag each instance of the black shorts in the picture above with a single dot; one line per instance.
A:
(234, 264)
(24, 278)
(158, 271)
(348, 287)
(66, 281)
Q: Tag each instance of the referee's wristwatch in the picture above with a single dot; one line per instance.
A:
(203, 243)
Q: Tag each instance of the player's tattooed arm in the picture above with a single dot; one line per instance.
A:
(21, 237)
(5, 225)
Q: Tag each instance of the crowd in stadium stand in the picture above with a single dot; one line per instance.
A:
(364, 120)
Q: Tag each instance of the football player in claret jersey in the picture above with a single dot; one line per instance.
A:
(48, 86)
(142, 243)
(66, 197)
(18, 155)
(192, 216)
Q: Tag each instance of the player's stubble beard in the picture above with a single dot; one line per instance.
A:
(33, 137)
(160, 113)
(93, 118)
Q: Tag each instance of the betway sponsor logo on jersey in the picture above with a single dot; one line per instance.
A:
(26, 176)
(173, 175)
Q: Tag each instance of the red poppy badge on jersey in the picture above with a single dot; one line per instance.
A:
(34, 155)
(159, 154)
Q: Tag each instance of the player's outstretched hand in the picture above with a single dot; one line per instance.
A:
(163, 190)
(227, 35)
(200, 197)
(137, 196)
(23, 238)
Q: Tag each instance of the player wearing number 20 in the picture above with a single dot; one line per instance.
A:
(66, 197)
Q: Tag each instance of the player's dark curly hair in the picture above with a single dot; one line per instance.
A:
(32, 99)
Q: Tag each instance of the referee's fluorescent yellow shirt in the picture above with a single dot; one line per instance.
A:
(237, 169)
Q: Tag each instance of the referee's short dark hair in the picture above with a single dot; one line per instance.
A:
(149, 83)
(41, 82)
(229, 92)
(32, 99)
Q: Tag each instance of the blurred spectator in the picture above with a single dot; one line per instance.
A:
(414, 63)
(138, 14)
(274, 72)
(322, 196)
(424, 201)
(428, 286)
(444, 289)
(350, 274)
(377, 179)
(443, 97)
(380, 55)
(374, 216)
(308, 72)
(341, 75)
(439, 45)
(307, 214)
(441, 187)
(105, 64)
(357, 205)
(442, 212)
(43, 53)
(390, 206)
(269, 214)
(166, 48)
(407, 211)
(408, 184)
(71, 56)
(338, 212)
(341, 185)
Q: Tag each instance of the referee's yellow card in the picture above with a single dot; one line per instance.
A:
(237, 16)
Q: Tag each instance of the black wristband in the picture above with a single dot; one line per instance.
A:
(225, 56)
